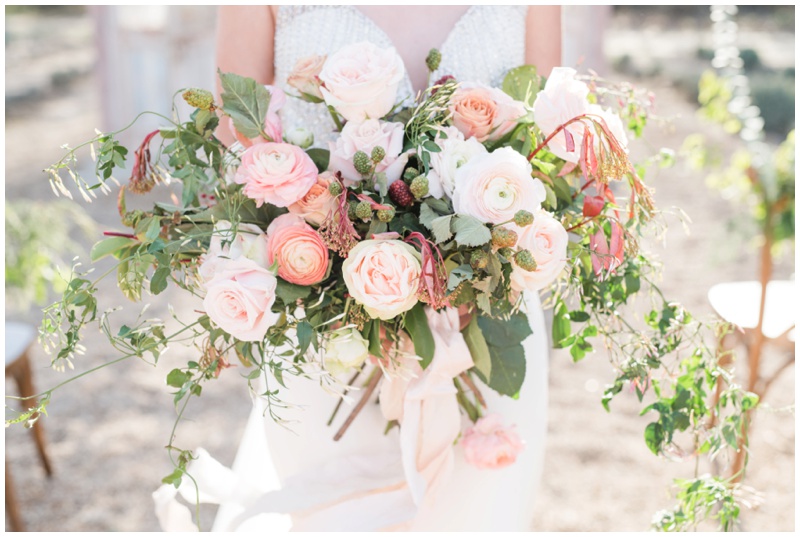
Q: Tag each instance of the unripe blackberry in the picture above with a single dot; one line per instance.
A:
(131, 218)
(410, 174)
(386, 215)
(419, 187)
(523, 218)
(199, 98)
(433, 60)
(524, 260)
(362, 163)
(479, 259)
(335, 188)
(351, 209)
(508, 253)
(400, 193)
(502, 237)
(364, 210)
(377, 154)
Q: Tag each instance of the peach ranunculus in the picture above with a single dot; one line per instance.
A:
(272, 122)
(248, 241)
(562, 99)
(318, 202)
(492, 187)
(484, 112)
(455, 152)
(547, 240)
(239, 298)
(490, 445)
(383, 276)
(365, 137)
(276, 173)
(298, 249)
(304, 76)
(360, 81)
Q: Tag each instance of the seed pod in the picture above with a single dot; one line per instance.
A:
(523, 218)
(377, 154)
(386, 215)
(419, 187)
(502, 237)
(362, 163)
(524, 260)
(364, 211)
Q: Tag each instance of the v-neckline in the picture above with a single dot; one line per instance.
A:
(388, 39)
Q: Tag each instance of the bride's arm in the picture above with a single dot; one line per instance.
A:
(245, 46)
(543, 38)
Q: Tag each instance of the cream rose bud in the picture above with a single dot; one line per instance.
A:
(344, 350)
(562, 99)
(492, 187)
(300, 252)
(483, 112)
(300, 137)
(455, 152)
(318, 202)
(383, 276)
(360, 80)
(276, 173)
(365, 137)
(305, 75)
(249, 241)
(239, 298)
(547, 240)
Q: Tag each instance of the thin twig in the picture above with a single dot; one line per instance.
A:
(471, 385)
(341, 400)
(373, 383)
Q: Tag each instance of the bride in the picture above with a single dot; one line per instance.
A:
(478, 43)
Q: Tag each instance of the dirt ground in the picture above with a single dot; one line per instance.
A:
(106, 431)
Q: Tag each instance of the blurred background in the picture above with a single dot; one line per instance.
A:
(71, 69)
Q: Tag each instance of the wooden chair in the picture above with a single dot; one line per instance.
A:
(19, 338)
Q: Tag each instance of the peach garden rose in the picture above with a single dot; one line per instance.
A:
(304, 76)
(483, 112)
(298, 249)
(383, 276)
(276, 173)
(318, 202)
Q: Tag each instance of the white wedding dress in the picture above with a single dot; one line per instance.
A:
(304, 452)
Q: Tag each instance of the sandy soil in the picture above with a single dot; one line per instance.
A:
(105, 431)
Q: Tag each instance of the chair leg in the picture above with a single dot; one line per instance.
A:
(15, 521)
(24, 378)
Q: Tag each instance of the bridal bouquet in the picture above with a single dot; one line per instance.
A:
(399, 246)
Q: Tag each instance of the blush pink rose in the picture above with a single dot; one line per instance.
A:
(383, 276)
(492, 187)
(360, 81)
(483, 112)
(272, 122)
(298, 249)
(318, 202)
(562, 99)
(239, 299)
(490, 445)
(547, 240)
(249, 241)
(365, 137)
(276, 173)
(304, 76)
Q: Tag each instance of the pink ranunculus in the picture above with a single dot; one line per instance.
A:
(455, 152)
(304, 76)
(483, 112)
(492, 187)
(490, 445)
(383, 276)
(272, 122)
(365, 137)
(547, 240)
(249, 241)
(605, 257)
(360, 81)
(239, 298)
(301, 254)
(318, 202)
(562, 99)
(276, 173)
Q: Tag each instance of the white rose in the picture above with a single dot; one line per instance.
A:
(492, 187)
(344, 350)
(249, 242)
(456, 151)
(547, 240)
(365, 137)
(360, 80)
(300, 137)
(562, 99)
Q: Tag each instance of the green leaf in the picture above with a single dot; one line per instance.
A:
(374, 337)
(545, 167)
(504, 339)
(153, 230)
(654, 437)
(561, 324)
(478, 348)
(246, 102)
(416, 323)
(177, 378)
(441, 229)
(578, 316)
(174, 478)
(159, 280)
(321, 158)
(304, 334)
(562, 190)
(110, 246)
(470, 231)
(290, 293)
(522, 83)
(427, 215)
(550, 200)
(458, 275)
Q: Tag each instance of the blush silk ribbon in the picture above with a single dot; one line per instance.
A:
(372, 492)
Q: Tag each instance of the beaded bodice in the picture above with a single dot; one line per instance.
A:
(483, 45)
